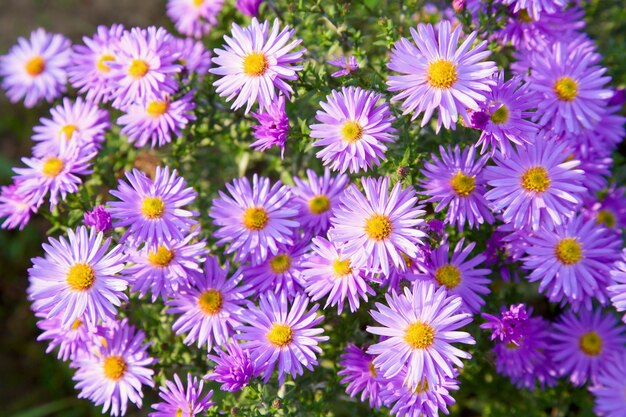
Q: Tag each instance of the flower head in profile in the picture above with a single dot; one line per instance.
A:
(16, 207)
(273, 127)
(436, 73)
(234, 368)
(609, 389)
(194, 17)
(361, 376)
(610, 211)
(617, 289)
(283, 334)
(535, 8)
(255, 62)
(353, 129)
(116, 372)
(249, 7)
(35, 69)
(193, 56)
(71, 341)
(178, 401)
(346, 65)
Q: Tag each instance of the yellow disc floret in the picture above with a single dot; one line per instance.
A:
(419, 335)
(462, 184)
(378, 227)
(448, 275)
(81, 277)
(138, 68)
(535, 179)
(319, 204)
(102, 65)
(153, 208)
(566, 88)
(351, 131)
(591, 343)
(280, 335)
(52, 167)
(255, 64)
(441, 74)
(115, 367)
(210, 302)
(35, 66)
(162, 257)
(255, 218)
(157, 108)
(341, 268)
(280, 264)
(500, 116)
(568, 251)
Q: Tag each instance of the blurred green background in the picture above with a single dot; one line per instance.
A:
(33, 384)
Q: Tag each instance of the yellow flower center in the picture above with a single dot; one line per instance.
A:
(35, 66)
(422, 387)
(138, 68)
(179, 412)
(341, 268)
(462, 184)
(280, 335)
(591, 343)
(524, 17)
(500, 116)
(115, 367)
(101, 64)
(407, 261)
(255, 64)
(198, 3)
(81, 277)
(76, 325)
(210, 301)
(68, 131)
(419, 335)
(153, 208)
(536, 179)
(448, 275)
(606, 217)
(441, 74)
(568, 251)
(157, 108)
(280, 264)
(319, 204)
(53, 167)
(351, 131)
(378, 227)
(162, 257)
(566, 88)
(372, 369)
(255, 218)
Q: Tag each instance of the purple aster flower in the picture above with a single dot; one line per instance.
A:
(77, 279)
(361, 376)
(618, 288)
(508, 106)
(606, 134)
(535, 8)
(583, 343)
(273, 127)
(535, 186)
(79, 121)
(194, 17)
(419, 327)
(71, 341)
(55, 173)
(178, 401)
(437, 73)
(114, 374)
(571, 90)
(16, 207)
(283, 334)
(210, 305)
(347, 65)
(234, 368)
(194, 57)
(573, 261)
(458, 274)
(35, 69)
(162, 271)
(610, 211)
(153, 210)
(255, 62)
(156, 120)
(327, 272)
(89, 71)
(609, 390)
(374, 229)
(249, 7)
(280, 272)
(425, 400)
(144, 67)
(255, 219)
(353, 129)
(456, 181)
(596, 165)
(99, 218)
(510, 327)
(317, 198)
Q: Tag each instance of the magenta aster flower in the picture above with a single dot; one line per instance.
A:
(157, 120)
(99, 218)
(78, 279)
(255, 62)
(419, 327)
(346, 65)
(255, 219)
(536, 186)
(510, 326)
(273, 127)
(375, 229)
(16, 207)
(89, 71)
(210, 305)
(353, 129)
(178, 401)
(144, 66)
(456, 181)
(439, 74)
(582, 344)
(153, 210)
(194, 17)
(234, 368)
(361, 376)
(71, 341)
(618, 288)
(35, 69)
(278, 333)
(249, 7)
(317, 198)
(573, 261)
(115, 373)
(79, 121)
(609, 390)
(327, 272)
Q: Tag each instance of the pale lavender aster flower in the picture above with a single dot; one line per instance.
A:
(361, 376)
(273, 127)
(617, 289)
(234, 368)
(610, 211)
(535, 8)
(194, 57)
(347, 65)
(71, 341)
(16, 207)
(178, 401)
(610, 400)
(249, 7)
(99, 218)
(194, 17)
